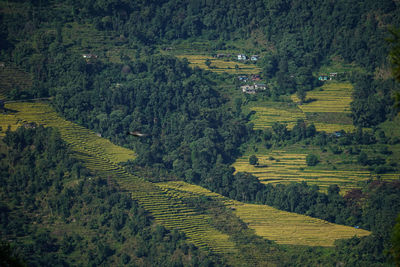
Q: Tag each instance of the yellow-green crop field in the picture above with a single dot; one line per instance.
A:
(334, 97)
(265, 117)
(220, 65)
(273, 224)
(288, 167)
(333, 127)
(81, 139)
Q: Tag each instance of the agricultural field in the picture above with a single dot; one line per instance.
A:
(328, 107)
(270, 223)
(265, 117)
(331, 97)
(220, 65)
(284, 167)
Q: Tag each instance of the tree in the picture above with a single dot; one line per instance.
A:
(311, 160)
(395, 60)
(395, 249)
(301, 94)
(253, 160)
(363, 158)
(208, 62)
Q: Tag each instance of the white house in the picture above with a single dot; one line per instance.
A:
(260, 86)
(241, 57)
(248, 89)
(254, 58)
(89, 56)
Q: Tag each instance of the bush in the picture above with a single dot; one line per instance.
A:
(312, 160)
(253, 160)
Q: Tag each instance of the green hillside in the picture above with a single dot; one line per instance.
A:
(245, 129)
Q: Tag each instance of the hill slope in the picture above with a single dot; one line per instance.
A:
(101, 156)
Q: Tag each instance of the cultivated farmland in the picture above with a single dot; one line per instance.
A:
(331, 97)
(284, 167)
(268, 222)
(220, 65)
(266, 116)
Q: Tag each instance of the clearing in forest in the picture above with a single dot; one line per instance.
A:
(270, 223)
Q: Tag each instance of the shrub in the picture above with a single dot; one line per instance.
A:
(253, 160)
(312, 160)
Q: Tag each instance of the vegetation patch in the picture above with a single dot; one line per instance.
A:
(14, 82)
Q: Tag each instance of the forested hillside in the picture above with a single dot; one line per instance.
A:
(108, 66)
(56, 213)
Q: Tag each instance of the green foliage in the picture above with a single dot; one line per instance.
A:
(395, 239)
(311, 160)
(301, 94)
(253, 160)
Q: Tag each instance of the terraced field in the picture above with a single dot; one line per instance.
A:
(333, 97)
(265, 117)
(101, 156)
(285, 167)
(333, 127)
(282, 227)
(219, 65)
